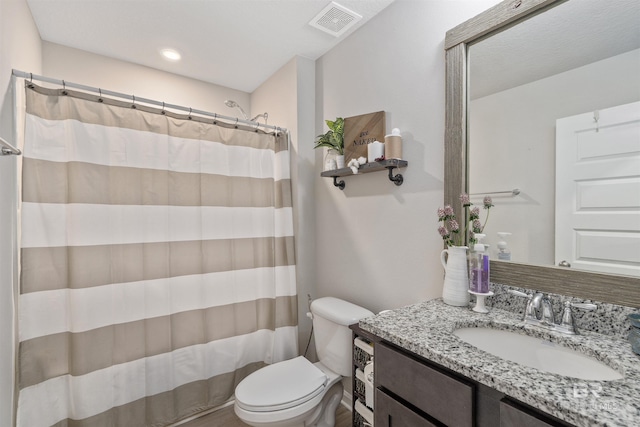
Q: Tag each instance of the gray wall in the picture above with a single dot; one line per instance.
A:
(377, 244)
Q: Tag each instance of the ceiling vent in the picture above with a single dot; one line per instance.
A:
(335, 19)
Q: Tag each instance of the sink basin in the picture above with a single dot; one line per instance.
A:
(537, 353)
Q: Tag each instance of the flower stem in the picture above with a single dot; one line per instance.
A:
(486, 219)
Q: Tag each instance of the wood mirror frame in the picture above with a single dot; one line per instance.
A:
(614, 289)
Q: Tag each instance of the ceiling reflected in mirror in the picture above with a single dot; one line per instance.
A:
(572, 34)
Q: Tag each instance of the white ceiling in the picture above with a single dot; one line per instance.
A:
(233, 43)
(571, 35)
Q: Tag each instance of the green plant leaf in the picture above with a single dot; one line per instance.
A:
(334, 138)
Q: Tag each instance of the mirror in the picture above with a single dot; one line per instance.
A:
(494, 26)
(576, 58)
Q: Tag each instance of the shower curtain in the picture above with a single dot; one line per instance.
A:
(157, 261)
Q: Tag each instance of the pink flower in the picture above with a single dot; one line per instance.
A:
(450, 229)
(448, 210)
(474, 213)
(488, 203)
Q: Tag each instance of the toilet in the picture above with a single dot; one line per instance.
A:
(297, 392)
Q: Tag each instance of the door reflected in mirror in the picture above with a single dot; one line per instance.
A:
(582, 59)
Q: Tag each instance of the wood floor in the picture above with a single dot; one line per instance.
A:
(225, 417)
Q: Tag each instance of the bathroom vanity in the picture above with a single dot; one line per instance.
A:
(414, 391)
(425, 375)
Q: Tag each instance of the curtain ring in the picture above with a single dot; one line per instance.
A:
(215, 118)
(257, 126)
(100, 95)
(30, 85)
(236, 123)
(134, 102)
(190, 118)
(31, 79)
(64, 88)
(163, 112)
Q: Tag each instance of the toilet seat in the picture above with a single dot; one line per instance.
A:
(281, 386)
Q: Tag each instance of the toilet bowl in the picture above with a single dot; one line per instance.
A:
(297, 392)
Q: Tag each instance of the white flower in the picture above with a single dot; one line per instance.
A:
(354, 165)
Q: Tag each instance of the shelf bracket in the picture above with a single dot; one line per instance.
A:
(340, 184)
(397, 179)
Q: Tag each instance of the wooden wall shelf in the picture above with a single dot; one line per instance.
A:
(389, 164)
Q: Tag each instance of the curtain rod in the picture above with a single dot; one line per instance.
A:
(8, 149)
(101, 92)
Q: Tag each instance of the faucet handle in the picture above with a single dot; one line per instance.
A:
(529, 312)
(518, 293)
(567, 324)
(584, 306)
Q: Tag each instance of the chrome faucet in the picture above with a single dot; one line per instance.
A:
(542, 310)
(539, 312)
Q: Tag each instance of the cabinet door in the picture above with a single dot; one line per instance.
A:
(391, 413)
(443, 397)
(513, 415)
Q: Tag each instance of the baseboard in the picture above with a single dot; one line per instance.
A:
(347, 400)
(203, 413)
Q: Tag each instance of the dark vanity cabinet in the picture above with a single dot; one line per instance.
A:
(409, 389)
(414, 392)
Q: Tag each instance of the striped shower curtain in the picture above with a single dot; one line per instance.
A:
(157, 261)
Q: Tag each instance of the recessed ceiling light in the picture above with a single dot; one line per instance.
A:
(170, 54)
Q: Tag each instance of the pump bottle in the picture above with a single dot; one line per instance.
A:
(479, 267)
(504, 253)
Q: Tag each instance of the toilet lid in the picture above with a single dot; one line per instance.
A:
(280, 386)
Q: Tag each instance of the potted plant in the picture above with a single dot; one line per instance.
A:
(454, 257)
(333, 139)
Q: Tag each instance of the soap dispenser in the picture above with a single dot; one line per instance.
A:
(504, 253)
(479, 267)
(484, 281)
(479, 275)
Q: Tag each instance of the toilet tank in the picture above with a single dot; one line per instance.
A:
(333, 338)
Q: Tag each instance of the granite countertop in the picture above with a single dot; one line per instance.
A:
(426, 329)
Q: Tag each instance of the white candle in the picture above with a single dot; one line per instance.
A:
(375, 150)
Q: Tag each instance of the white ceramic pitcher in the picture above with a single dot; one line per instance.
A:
(456, 278)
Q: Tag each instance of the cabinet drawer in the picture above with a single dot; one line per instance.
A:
(443, 397)
(391, 413)
(513, 415)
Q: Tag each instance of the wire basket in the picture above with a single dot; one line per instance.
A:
(362, 352)
(358, 420)
(359, 391)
